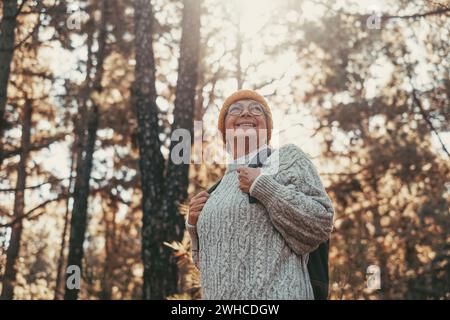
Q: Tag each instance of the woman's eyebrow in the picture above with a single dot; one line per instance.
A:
(237, 104)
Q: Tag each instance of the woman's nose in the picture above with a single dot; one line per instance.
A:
(245, 112)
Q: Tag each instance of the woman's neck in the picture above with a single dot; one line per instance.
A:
(243, 151)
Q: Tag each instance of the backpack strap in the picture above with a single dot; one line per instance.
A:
(214, 186)
(261, 158)
(257, 162)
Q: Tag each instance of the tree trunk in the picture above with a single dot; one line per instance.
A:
(161, 221)
(12, 253)
(384, 292)
(109, 218)
(7, 42)
(60, 267)
(80, 201)
(78, 223)
(151, 161)
(177, 178)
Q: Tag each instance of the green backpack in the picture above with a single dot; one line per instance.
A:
(318, 259)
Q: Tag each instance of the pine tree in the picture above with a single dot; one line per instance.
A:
(7, 45)
(162, 192)
(86, 145)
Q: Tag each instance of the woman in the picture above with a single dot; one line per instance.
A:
(258, 250)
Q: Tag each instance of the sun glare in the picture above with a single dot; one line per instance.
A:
(253, 14)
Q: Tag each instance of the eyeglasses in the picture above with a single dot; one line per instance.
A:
(237, 109)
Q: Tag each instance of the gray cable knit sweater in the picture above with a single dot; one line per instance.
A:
(260, 251)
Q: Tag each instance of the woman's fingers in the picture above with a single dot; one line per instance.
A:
(196, 205)
(246, 177)
(244, 186)
(199, 200)
(202, 198)
(194, 213)
(202, 194)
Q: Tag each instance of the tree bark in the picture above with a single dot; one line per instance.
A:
(177, 178)
(61, 259)
(12, 253)
(7, 41)
(109, 219)
(78, 223)
(161, 220)
(151, 161)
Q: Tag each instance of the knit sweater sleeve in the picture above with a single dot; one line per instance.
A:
(192, 230)
(296, 201)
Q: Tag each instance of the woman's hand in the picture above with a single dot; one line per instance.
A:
(246, 177)
(196, 205)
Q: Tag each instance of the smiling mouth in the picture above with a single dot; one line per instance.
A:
(245, 125)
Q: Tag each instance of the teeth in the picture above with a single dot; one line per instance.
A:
(246, 125)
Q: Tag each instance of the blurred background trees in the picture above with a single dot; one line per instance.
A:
(91, 91)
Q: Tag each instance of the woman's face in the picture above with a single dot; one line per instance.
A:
(246, 118)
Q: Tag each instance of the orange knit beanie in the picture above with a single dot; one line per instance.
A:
(240, 95)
